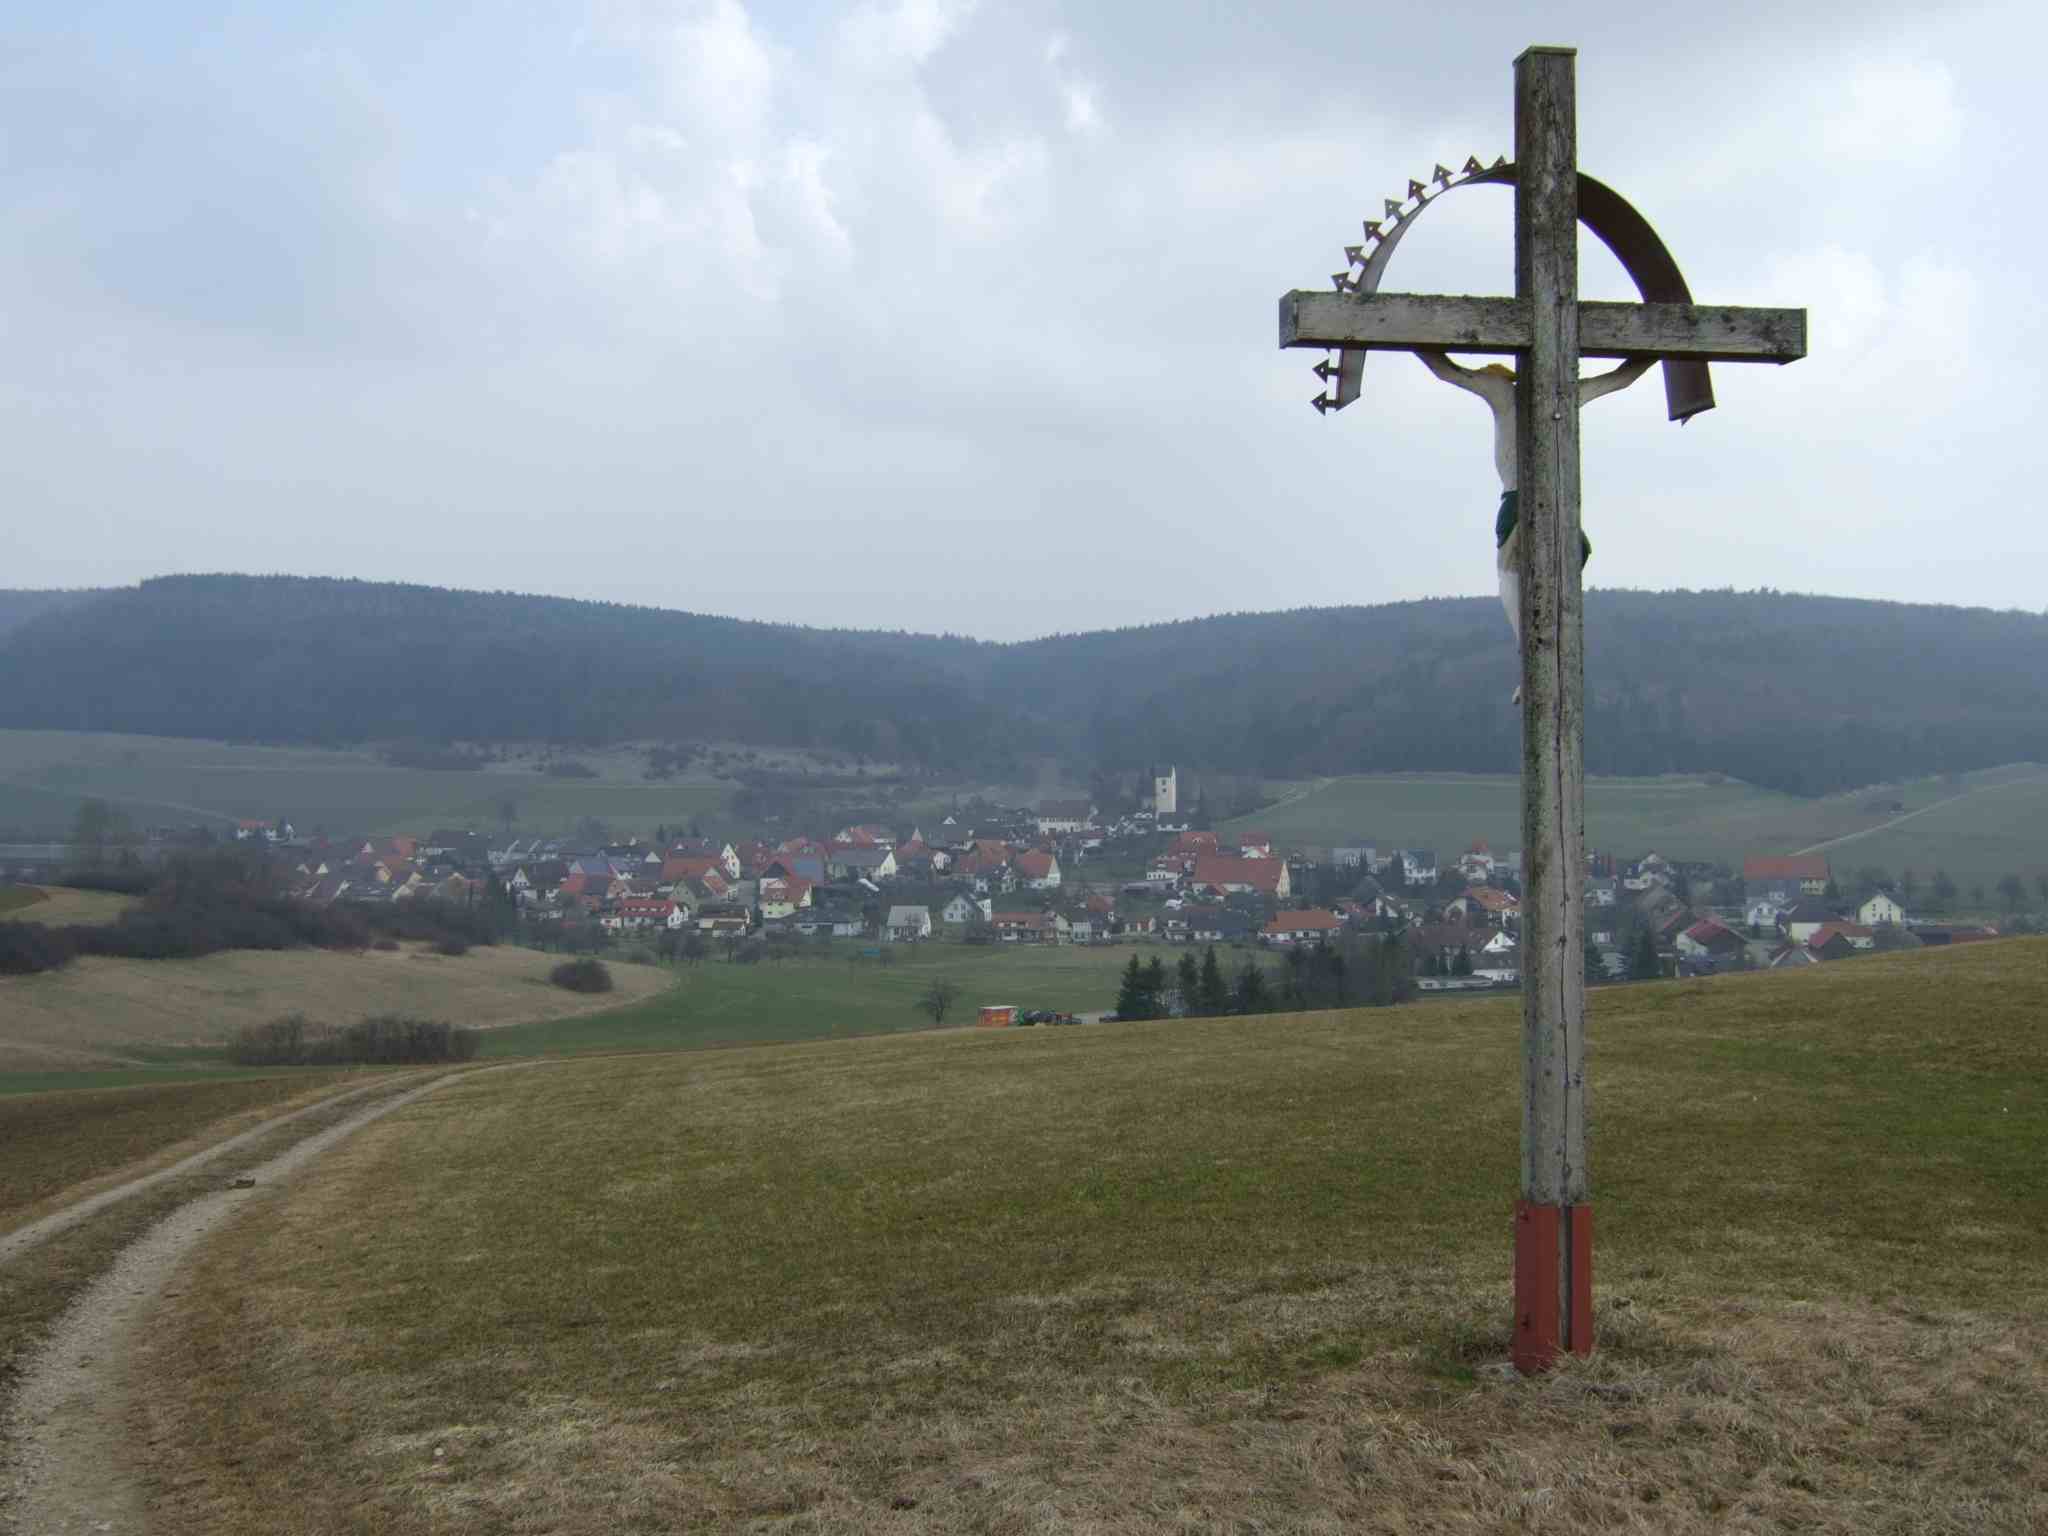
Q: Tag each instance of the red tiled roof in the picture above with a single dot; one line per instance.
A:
(1827, 931)
(1033, 865)
(1219, 869)
(1022, 920)
(693, 866)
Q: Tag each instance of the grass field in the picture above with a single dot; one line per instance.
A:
(57, 904)
(1995, 822)
(44, 775)
(62, 1142)
(98, 1013)
(716, 1003)
(1243, 1275)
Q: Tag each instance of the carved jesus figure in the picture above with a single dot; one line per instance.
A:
(1495, 384)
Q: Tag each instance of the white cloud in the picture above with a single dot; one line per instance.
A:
(905, 35)
(1890, 112)
(770, 282)
(717, 70)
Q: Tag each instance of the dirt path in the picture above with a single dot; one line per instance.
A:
(1886, 826)
(19, 1241)
(66, 1466)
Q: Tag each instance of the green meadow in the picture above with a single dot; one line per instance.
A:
(1978, 827)
(840, 995)
(1243, 1274)
(44, 775)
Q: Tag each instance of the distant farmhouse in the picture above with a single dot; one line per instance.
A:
(1784, 879)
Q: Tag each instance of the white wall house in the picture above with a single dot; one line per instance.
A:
(963, 910)
(909, 923)
(1879, 910)
(1763, 914)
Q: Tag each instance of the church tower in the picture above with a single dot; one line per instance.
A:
(1165, 790)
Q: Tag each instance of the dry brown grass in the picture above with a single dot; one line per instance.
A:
(36, 1286)
(60, 904)
(95, 1011)
(1233, 1275)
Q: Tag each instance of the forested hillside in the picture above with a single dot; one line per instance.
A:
(1808, 694)
(19, 605)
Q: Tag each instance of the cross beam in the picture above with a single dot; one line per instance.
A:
(1401, 322)
(1548, 329)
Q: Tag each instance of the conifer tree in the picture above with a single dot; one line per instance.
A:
(1213, 991)
(1252, 995)
(1155, 988)
(1131, 1000)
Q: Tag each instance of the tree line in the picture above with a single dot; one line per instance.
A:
(204, 902)
(1794, 692)
(1361, 971)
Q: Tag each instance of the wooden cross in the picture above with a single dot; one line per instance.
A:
(1549, 330)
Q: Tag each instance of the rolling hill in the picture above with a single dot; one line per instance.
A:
(1800, 693)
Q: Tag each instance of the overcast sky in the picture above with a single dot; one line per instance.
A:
(960, 317)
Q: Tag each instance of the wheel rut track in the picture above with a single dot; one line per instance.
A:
(65, 1464)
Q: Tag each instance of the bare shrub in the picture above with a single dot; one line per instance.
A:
(584, 975)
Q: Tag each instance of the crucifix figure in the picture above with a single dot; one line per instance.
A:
(1495, 384)
(1547, 329)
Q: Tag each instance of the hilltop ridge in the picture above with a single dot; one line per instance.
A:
(1803, 693)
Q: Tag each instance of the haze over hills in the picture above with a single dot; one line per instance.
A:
(18, 605)
(1802, 693)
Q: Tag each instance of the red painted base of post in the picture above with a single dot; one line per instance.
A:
(1548, 1321)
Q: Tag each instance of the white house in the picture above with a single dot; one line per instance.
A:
(1763, 914)
(963, 910)
(866, 862)
(1879, 910)
(1065, 816)
(1805, 920)
(1418, 866)
(1038, 869)
(909, 923)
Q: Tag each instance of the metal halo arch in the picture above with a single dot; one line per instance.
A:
(1688, 388)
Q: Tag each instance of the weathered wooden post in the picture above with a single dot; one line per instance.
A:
(1554, 1216)
(1548, 329)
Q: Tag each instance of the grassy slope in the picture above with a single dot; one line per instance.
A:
(809, 999)
(97, 1012)
(1235, 1274)
(58, 1141)
(57, 904)
(1998, 826)
(1995, 830)
(44, 774)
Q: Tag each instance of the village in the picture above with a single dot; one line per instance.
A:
(1064, 872)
